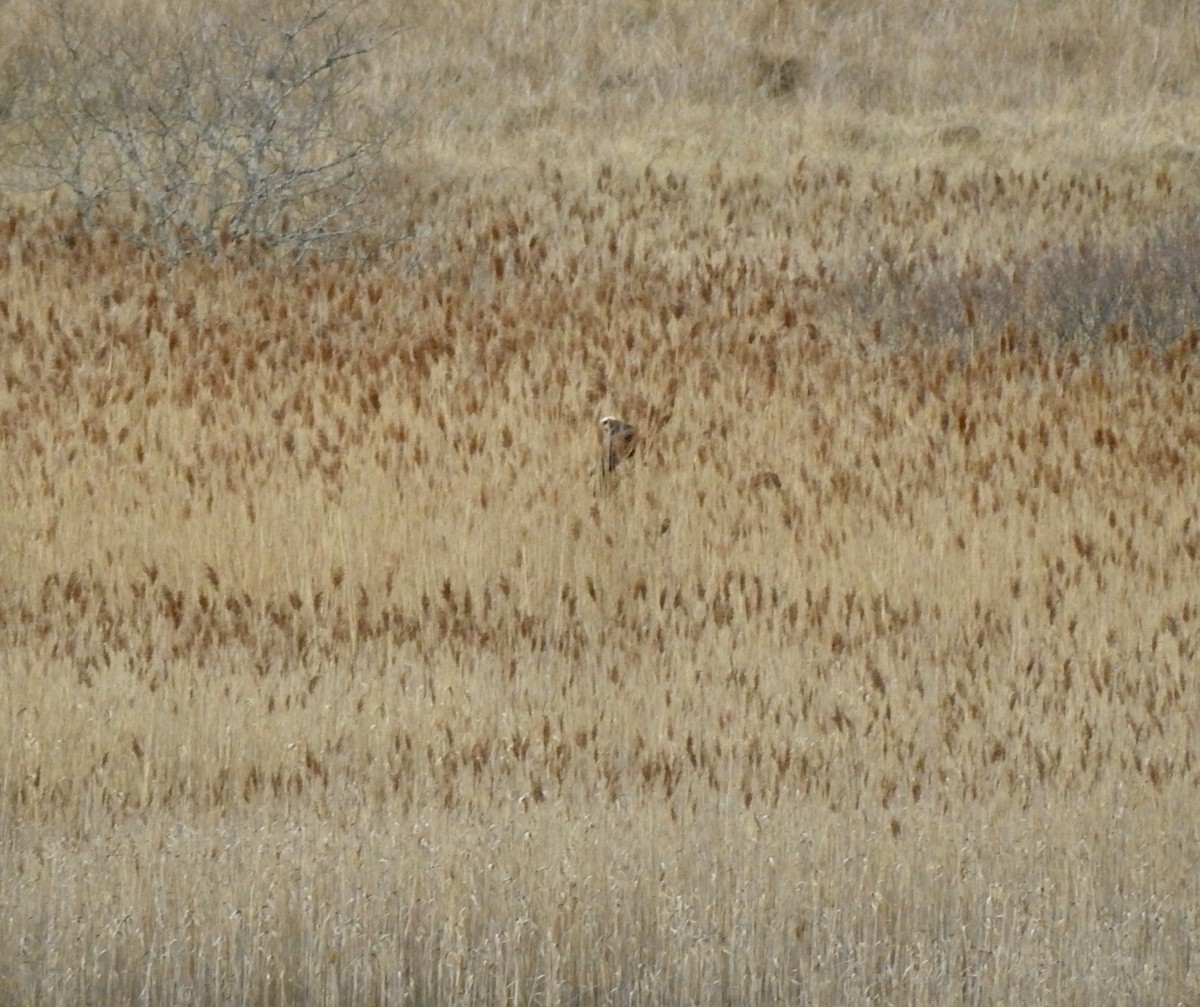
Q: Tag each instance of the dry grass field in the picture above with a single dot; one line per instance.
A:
(331, 671)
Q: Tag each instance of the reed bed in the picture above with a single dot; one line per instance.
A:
(332, 671)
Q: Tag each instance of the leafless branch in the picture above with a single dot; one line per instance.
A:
(233, 128)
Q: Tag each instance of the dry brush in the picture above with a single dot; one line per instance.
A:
(329, 675)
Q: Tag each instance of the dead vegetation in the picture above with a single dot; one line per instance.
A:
(329, 677)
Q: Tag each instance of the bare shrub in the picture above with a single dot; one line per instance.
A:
(1075, 290)
(222, 127)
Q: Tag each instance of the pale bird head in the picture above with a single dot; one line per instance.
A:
(620, 441)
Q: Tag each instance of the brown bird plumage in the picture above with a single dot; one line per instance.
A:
(620, 441)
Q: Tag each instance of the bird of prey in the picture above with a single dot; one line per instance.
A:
(619, 440)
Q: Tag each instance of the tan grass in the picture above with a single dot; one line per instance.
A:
(329, 677)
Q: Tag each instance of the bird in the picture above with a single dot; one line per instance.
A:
(619, 440)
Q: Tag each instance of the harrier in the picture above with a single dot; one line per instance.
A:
(620, 441)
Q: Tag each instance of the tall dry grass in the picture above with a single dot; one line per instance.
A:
(331, 674)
